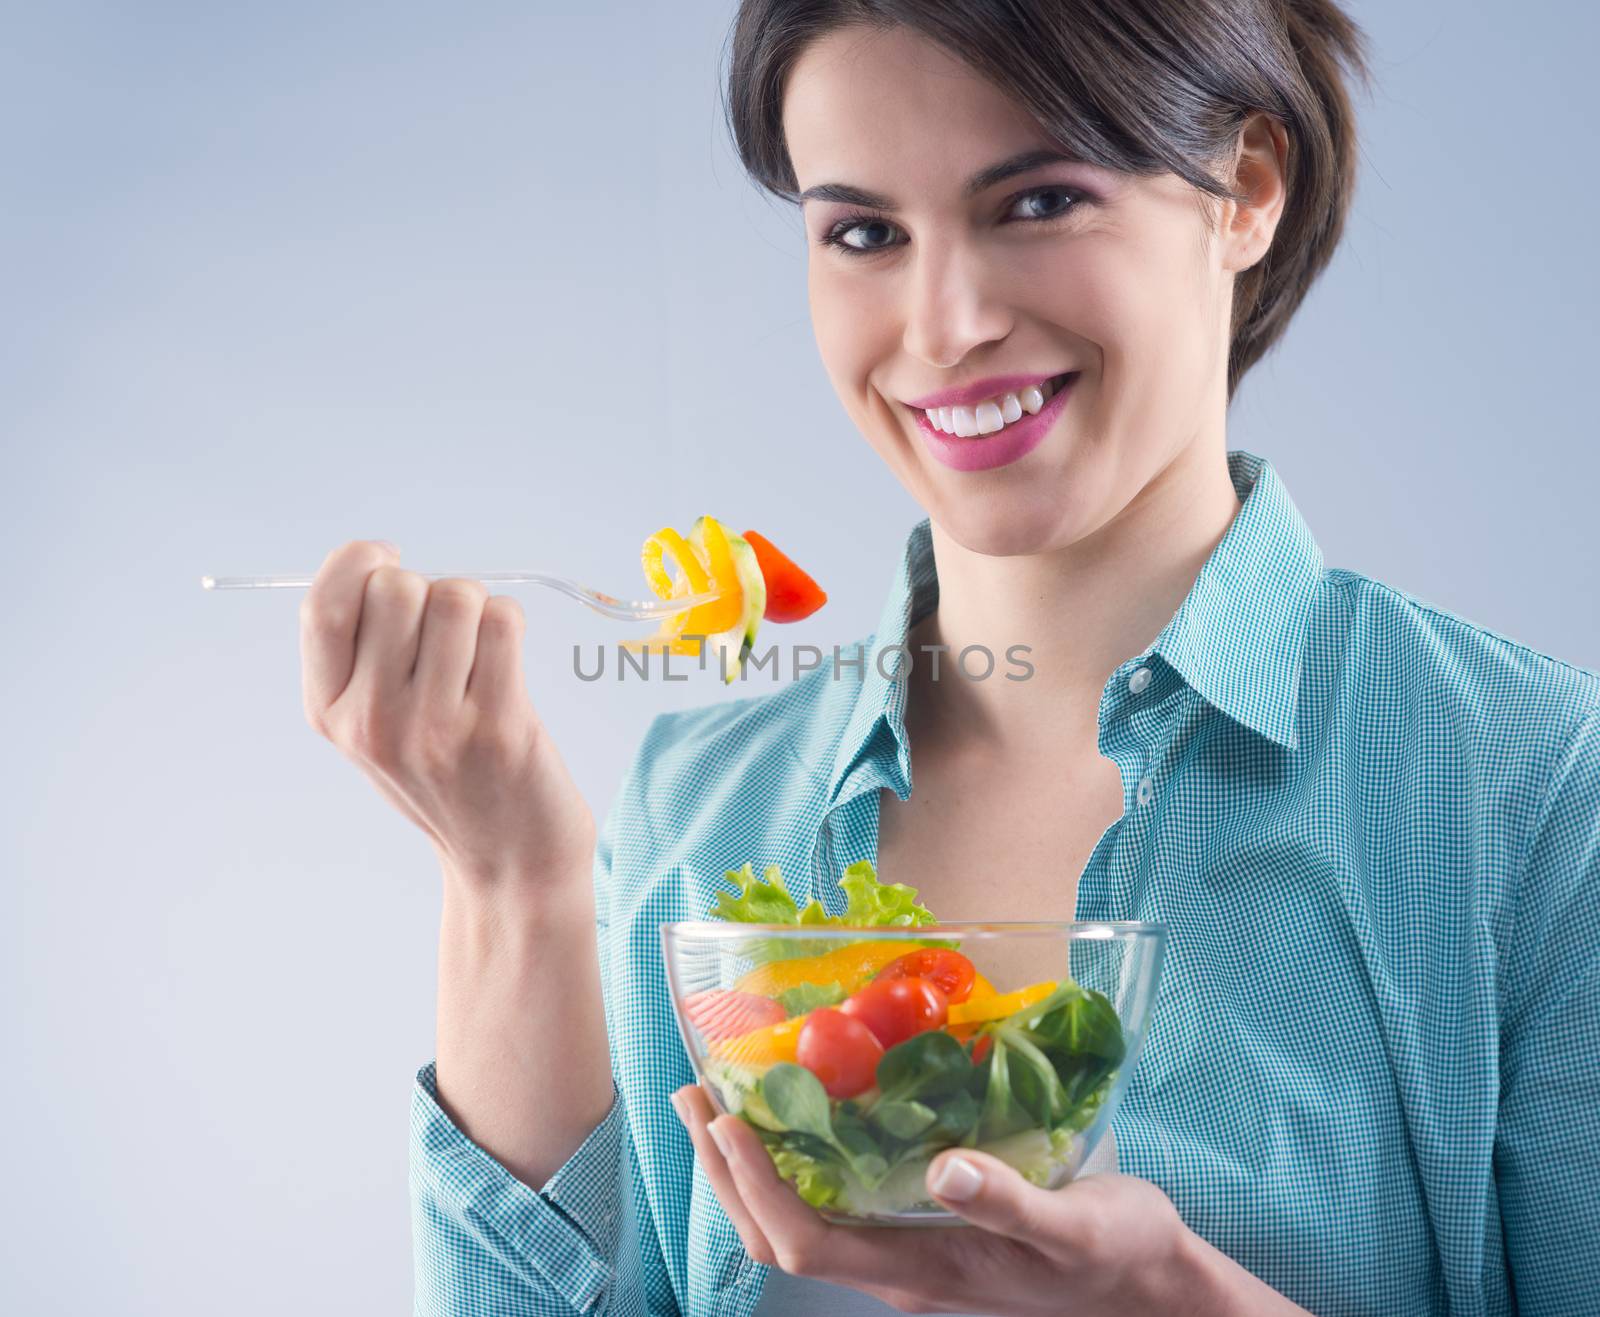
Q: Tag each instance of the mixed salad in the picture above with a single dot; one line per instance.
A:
(859, 1063)
(754, 579)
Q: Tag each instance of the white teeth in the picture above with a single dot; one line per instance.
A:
(995, 414)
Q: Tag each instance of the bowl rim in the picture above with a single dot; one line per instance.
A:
(1085, 929)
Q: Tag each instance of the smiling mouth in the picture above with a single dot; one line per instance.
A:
(991, 411)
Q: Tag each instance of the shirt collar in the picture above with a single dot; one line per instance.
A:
(1237, 638)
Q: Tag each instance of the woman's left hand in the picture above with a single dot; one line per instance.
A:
(1104, 1244)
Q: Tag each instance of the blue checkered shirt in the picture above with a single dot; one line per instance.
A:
(1373, 831)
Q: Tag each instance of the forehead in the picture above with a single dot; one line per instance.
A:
(875, 107)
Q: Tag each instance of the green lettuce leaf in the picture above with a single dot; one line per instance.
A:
(762, 900)
(872, 904)
(817, 1182)
(806, 997)
(869, 904)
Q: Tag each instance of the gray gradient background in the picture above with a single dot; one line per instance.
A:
(280, 276)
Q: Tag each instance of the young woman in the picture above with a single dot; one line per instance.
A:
(1372, 828)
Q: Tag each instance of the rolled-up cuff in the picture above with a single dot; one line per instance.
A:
(480, 1233)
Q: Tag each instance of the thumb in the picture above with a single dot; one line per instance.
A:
(989, 1193)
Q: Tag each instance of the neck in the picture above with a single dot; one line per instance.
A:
(1082, 610)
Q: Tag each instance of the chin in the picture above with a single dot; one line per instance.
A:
(1002, 527)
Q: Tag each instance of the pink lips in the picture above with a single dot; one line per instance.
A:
(985, 451)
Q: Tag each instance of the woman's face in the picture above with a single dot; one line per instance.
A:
(1065, 268)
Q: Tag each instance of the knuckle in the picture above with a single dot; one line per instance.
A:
(371, 732)
(319, 613)
(389, 582)
(503, 612)
(457, 597)
(351, 556)
(1091, 1235)
(796, 1257)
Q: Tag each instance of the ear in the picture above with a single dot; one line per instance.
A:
(1260, 172)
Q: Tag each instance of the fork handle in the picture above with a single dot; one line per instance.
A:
(304, 582)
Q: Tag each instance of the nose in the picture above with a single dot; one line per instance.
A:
(952, 306)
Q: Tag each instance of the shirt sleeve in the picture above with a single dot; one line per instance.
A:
(485, 1242)
(1547, 1153)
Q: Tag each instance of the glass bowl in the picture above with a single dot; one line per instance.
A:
(1013, 1038)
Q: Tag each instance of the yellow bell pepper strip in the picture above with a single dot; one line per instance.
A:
(998, 1007)
(720, 614)
(849, 966)
(664, 645)
(705, 562)
(764, 1046)
(981, 988)
(692, 579)
(664, 541)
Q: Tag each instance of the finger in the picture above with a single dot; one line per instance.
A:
(881, 1262)
(451, 619)
(990, 1193)
(496, 677)
(696, 1113)
(329, 615)
(391, 619)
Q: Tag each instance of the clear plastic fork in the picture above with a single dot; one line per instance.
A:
(625, 610)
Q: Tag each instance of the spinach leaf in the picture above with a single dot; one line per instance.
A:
(928, 1064)
(903, 1120)
(1083, 1024)
(1001, 1113)
(862, 1153)
(1063, 1052)
(955, 1117)
(796, 1097)
(1031, 1090)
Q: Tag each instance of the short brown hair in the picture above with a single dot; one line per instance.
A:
(1140, 86)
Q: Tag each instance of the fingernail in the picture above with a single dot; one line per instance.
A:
(677, 1106)
(957, 1179)
(724, 1144)
(393, 548)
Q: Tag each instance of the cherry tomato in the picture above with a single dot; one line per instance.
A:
(894, 1009)
(950, 970)
(726, 1013)
(839, 1051)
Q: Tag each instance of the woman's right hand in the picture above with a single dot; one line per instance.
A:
(420, 683)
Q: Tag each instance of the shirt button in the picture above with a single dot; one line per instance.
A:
(1147, 790)
(1139, 681)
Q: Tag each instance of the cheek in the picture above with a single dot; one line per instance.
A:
(852, 336)
(1148, 308)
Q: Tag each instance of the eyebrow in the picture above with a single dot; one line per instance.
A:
(851, 195)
